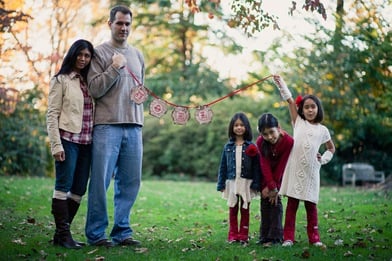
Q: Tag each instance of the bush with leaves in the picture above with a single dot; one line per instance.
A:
(24, 149)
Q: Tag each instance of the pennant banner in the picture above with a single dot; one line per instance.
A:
(180, 114)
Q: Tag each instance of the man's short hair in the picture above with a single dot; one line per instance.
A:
(119, 8)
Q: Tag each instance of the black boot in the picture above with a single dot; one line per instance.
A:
(62, 235)
(73, 207)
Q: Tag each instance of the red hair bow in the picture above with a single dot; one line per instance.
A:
(298, 100)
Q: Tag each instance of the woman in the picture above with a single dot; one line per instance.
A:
(69, 125)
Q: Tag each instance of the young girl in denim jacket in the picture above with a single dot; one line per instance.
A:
(239, 176)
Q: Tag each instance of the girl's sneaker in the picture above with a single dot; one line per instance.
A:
(244, 242)
(318, 244)
(287, 243)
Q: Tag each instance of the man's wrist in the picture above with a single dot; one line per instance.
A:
(118, 67)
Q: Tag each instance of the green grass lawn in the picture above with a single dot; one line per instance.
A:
(188, 221)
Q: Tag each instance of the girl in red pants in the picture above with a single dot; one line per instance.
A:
(301, 178)
(239, 176)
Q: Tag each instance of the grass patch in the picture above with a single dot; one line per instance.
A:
(188, 221)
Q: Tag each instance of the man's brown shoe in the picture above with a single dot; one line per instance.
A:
(104, 243)
(129, 242)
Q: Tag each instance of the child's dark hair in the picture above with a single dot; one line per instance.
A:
(248, 130)
(70, 58)
(320, 111)
(266, 120)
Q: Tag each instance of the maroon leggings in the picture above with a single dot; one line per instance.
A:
(311, 216)
(241, 233)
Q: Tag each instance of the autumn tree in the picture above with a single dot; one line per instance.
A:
(27, 68)
(349, 69)
(250, 16)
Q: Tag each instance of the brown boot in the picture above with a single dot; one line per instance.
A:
(62, 236)
(73, 207)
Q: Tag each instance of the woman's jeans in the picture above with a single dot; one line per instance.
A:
(117, 153)
(72, 174)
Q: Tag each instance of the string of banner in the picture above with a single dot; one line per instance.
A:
(180, 114)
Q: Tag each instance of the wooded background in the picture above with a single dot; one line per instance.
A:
(348, 67)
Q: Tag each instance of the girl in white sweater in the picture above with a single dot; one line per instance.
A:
(301, 179)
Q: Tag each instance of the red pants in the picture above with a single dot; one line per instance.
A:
(311, 216)
(241, 233)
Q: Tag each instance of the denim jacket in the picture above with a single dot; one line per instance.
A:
(250, 166)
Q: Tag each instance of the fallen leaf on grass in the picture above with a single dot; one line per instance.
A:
(360, 243)
(141, 250)
(305, 254)
(151, 229)
(348, 253)
(31, 220)
(195, 244)
(252, 252)
(19, 242)
(331, 230)
(92, 251)
(371, 239)
(339, 242)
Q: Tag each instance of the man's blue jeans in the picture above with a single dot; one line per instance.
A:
(117, 153)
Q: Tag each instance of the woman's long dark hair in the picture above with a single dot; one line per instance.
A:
(266, 120)
(248, 130)
(70, 58)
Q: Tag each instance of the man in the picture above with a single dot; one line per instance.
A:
(115, 70)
